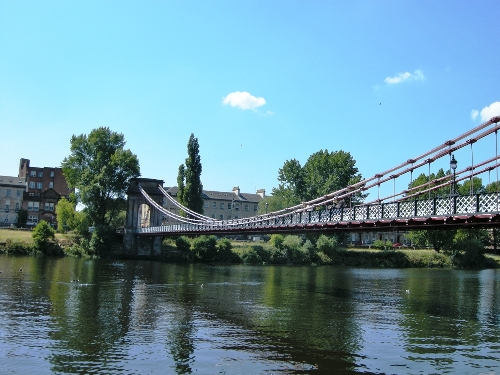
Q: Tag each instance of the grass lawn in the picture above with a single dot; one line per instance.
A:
(25, 236)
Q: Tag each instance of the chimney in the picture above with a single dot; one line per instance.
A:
(236, 190)
(262, 193)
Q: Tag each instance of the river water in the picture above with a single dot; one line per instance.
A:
(145, 317)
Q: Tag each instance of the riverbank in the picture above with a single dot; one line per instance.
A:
(20, 242)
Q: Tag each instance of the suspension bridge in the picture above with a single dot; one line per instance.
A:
(415, 207)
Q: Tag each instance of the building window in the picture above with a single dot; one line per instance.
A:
(18, 193)
(222, 206)
(46, 207)
(17, 206)
(36, 206)
(51, 173)
(7, 207)
(6, 220)
(254, 208)
(32, 184)
(237, 207)
(51, 185)
(33, 218)
(40, 174)
(213, 216)
(30, 206)
(214, 204)
(229, 206)
(236, 216)
(33, 174)
(8, 192)
(221, 217)
(206, 204)
(39, 186)
(246, 207)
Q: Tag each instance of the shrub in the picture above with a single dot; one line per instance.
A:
(44, 239)
(182, 243)
(205, 248)
(472, 254)
(225, 252)
(327, 245)
(294, 250)
(379, 244)
(276, 240)
(250, 256)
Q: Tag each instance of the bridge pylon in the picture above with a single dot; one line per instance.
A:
(140, 214)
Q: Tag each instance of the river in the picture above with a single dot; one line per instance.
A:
(147, 317)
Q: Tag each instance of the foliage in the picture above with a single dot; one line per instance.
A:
(276, 240)
(327, 245)
(295, 253)
(16, 247)
(182, 243)
(323, 173)
(65, 211)
(205, 248)
(379, 244)
(181, 176)
(424, 179)
(22, 218)
(188, 179)
(100, 169)
(441, 239)
(477, 187)
(471, 254)
(101, 240)
(44, 239)
(418, 238)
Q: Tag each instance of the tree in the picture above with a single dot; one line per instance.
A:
(99, 168)
(42, 236)
(22, 218)
(189, 178)
(65, 211)
(324, 173)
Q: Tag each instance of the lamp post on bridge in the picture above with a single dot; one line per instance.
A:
(266, 207)
(453, 165)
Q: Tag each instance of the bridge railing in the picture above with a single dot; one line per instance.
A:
(444, 206)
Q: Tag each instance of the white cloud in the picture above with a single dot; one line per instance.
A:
(491, 111)
(417, 75)
(473, 114)
(243, 100)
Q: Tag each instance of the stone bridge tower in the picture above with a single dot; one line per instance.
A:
(140, 213)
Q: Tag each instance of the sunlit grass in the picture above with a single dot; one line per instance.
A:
(25, 236)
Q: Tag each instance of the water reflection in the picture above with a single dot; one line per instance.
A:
(138, 316)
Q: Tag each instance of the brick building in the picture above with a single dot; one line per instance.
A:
(44, 187)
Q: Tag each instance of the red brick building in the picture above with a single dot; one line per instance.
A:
(44, 187)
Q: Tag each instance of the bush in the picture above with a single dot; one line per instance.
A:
(182, 243)
(379, 244)
(44, 239)
(225, 253)
(294, 250)
(276, 241)
(327, 245)
(16, 247)
(101, 241)
(472, 254)
(205, 248)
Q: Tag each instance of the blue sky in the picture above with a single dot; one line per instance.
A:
(257, 82)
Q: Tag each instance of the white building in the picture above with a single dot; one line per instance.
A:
(11, 198)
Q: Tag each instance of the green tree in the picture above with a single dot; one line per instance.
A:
(189, 178)
(477, 187)
(43, 236)
(22, 218)
(323, 173)
(65, 211)
(99, 168)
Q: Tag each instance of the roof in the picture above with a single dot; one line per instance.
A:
(12, 181)
(222, 195)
